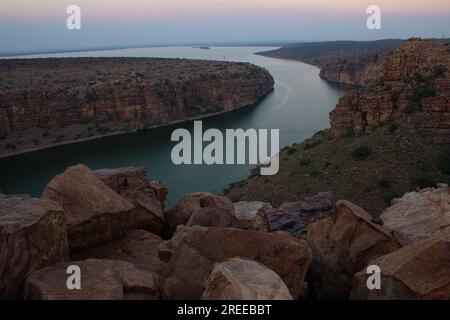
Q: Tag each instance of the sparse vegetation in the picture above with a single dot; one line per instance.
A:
(362, 152)
(403, 163)
(443, 162)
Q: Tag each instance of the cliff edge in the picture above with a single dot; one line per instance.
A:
(69, 99)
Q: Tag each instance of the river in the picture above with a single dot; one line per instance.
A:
(298, 106)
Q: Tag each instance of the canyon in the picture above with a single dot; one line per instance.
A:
(51, 101)
(412, 93)
(394, 131)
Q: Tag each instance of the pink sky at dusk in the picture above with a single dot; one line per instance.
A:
(41, 24)
(163, 9)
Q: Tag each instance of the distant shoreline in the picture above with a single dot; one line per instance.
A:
(93, 49)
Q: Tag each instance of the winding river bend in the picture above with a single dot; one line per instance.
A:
(298, 106)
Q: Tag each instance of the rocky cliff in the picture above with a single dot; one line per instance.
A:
(354, 63)
(413, 93)
(356, 70)
(56, 100)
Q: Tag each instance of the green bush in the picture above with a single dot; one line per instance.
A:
(393, 127)
(424, 92)
(291, 151)
(10, 146)
(362, 152)
(305, 162)
(444, 163)
(385, 183)
(315, 173)
(84, 120)
(311, 145)
(425, 182)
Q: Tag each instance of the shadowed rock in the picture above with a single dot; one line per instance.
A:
(133, 184)
(240, 279)
(95, 213)
(196, 208)
(343, 242)
(417, 271)
(32, 235)
(194, 258)
(100, 280)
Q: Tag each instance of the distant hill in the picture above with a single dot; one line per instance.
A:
(320, 53)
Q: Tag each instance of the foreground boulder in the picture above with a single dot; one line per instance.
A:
(252, 215)
(32, 235)
(203, 209)
(167, 247)
(420, 215)
(343, 243)
(194, 258)
(293, 217)
(133, 184)
(138, 247)
(95, 213)
(417, 271)
(100, 280)
(240, 279)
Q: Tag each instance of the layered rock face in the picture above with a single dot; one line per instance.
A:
(135, 92)
(356, 70)
(413, 92)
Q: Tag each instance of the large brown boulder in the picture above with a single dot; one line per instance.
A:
(420, 215)
(194, 258)
(195, 209)
(241, 279)
(343, 242)
(417, 271)
(252, 215)
(95, 213)
(167, 247)
(133, 184)
(32, 235)
(138, 247)
(100, 280)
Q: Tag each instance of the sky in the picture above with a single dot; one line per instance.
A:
(30, 25)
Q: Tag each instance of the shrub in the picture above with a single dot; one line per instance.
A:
(385, 183)
(84, 120)
(425, 182)
(10, 146)
(315, 173)
(439, 71)
(393, 127)
(424, 92)
(444, 163)
(311, 145)
(305, 162)
(291, 151)
(409, 109)
(362, 152)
